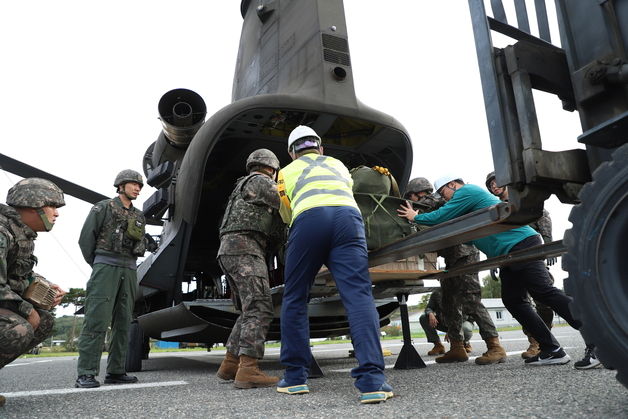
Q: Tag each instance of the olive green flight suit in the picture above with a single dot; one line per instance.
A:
(111, 239)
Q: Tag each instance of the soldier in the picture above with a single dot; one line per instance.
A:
(251, 230)
(461, 294)
(543, 226)
(432, 320)
(326, 227)
(517, 279)
(32, 207)
(111, 240)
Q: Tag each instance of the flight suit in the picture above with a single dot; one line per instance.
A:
(111, 240)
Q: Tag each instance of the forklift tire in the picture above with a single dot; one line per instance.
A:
(597, 262)
(135, 351)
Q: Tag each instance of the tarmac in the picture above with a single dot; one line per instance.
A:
(183, 384)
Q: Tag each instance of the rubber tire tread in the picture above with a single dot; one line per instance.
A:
(609, 333)
(135, 351)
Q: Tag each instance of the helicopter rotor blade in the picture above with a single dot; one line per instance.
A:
(24, 170)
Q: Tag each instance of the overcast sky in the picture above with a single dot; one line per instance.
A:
(81, 80)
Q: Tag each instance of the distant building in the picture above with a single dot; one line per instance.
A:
(495, 307)
(500, 316)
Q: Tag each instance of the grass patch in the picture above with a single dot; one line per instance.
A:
(45, 352)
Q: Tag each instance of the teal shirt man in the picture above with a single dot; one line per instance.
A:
(469, 198)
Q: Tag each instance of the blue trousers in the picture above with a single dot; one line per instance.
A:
(333, 236)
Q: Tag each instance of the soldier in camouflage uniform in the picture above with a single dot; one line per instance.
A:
(32, 207)
(461, 294)
(250, 229)
(111, 240)
(543, 226)
(432, 320)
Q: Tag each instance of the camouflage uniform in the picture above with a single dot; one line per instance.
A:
(460, 294)
(111, 240)
(435, 306)
(16, 268)
(250, 227)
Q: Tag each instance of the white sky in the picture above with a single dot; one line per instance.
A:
(81, 80)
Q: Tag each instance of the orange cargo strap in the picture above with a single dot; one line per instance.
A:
(281, 187)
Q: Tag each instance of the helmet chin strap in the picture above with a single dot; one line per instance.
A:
(47, 224)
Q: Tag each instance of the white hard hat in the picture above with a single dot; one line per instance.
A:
(444, 180)
(302, 131)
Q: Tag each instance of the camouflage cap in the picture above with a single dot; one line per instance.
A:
(489, 178)
(419, 184)
(126, 176)
(35, 193)
(263, 157)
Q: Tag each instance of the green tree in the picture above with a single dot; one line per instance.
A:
(75, 297)
(424, 300)
(491, 288)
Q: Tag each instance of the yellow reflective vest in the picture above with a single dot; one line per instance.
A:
(311, 181)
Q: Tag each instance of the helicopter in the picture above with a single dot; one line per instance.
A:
(303, 79)
(160, 294)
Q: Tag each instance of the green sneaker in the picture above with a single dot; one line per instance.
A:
(283, 387)
(384, 393)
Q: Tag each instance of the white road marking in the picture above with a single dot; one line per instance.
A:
(84, 390)
(28, 363)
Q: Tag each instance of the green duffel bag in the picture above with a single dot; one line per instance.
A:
(382, 225)
(374, 180)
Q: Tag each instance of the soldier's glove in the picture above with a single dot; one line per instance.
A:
(495, 274)
(551, 261)
(151, 243)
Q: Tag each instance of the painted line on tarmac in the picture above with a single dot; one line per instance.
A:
(84, 390)
(28, 363)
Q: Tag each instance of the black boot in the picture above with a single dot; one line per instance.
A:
(86, 381)
(120, 379)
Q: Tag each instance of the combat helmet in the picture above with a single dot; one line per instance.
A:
(489, 178)
(419, 184)
(262, 157)
(126, 176)
(35, 193)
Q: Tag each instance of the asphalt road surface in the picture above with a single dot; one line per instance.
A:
(183, 384)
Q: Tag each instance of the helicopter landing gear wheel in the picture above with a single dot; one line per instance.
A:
(597, 262)
(135, 351)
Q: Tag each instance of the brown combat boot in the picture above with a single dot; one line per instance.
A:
(250, 376)
(456, 353)
(2, 400)
(438, 349)
(495, 353)
(229, 367)
(468, 347)
(533, 349)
